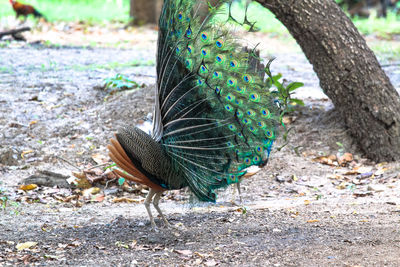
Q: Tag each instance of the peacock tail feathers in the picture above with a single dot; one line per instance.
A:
(215, 115)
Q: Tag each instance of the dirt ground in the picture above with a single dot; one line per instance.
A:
(303, 209)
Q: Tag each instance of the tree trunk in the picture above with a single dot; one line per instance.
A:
(145, 11)
(348, 71)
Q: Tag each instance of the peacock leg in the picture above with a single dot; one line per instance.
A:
(155, 204)
(147, 202)
(240, 194)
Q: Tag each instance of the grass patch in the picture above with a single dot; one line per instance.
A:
(74, 10)
(383, 27)
(107, 10)
(266, 21)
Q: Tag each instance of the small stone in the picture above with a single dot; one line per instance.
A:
(377, 188)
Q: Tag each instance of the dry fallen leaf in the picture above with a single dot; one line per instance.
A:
(99, 158)
(127, 200)
(82, 182)
(328, 160)
(98, 198)
(32, 122)
(345, 158)
(28, 187)
(26, 152)
(26, 245)
(362, 169)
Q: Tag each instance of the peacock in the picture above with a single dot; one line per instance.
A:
(214, 115)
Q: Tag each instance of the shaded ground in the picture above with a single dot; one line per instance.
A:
(296, 211)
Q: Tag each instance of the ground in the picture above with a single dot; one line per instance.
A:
(305, 208)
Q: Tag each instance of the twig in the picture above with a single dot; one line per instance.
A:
(14, 32)
(69, 162)
(100, 165)
(109, 181)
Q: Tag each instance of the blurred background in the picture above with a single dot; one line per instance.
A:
(378, 20)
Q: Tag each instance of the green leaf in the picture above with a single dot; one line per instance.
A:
(294, 85)
(297, 101)
(121, 181)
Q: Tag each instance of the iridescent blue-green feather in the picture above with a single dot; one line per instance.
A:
(216, 115)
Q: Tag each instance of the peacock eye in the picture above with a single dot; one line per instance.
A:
(219, 43)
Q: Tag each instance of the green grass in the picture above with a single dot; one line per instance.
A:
(74, 10)
(267, 22)
(380, 26)
(96, 11)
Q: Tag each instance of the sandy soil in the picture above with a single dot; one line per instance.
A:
(295, 212)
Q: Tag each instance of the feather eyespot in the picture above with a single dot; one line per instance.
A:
(247, 161)
(203, 69)
(219, 43)
(231, 82)
(204, 36)
(188, 63)
(269, 134)
(261, 124)
(252, 129)
(230, 97)
(265, 113)
(180, 16)
(216, 74)
(233, 64)
(247, 78)
(228, 107)
(250, 112)
(220, 58)
(189, 49)
(256, 159)
(239, 114)
(199, 82)
(188, 32)
(232, 127)
(255, 97)
(217, 89)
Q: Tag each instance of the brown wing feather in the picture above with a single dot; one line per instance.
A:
(118, 155)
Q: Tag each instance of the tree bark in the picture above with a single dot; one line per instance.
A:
(348, 71)
(145, 11)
